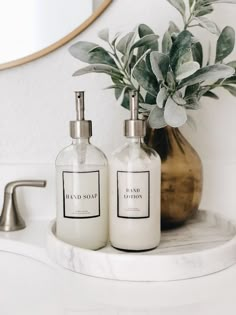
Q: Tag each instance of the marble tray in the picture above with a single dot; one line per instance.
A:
(205, 245)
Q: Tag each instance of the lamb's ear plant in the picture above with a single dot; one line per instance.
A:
(170, 73)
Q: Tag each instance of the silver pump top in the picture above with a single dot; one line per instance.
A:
(80, 128)
(134, 127)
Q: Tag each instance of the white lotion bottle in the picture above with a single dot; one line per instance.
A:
(135, 178)
(82, 196)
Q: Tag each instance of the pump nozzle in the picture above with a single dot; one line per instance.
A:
(79, 102)
(133, 99)
(134, 127)
(80, 128)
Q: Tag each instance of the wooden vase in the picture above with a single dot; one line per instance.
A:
(181, 182)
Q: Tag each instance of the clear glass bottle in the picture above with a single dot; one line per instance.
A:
(81, 176)
(135, 175)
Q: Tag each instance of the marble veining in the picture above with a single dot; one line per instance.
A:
(206, 244)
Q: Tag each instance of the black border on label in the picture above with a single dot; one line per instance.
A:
(118, 202)
(99, 199)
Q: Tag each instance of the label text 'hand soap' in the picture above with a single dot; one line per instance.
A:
(82, 201)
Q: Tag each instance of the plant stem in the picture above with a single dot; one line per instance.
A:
(215, 85)
(121, 66)
(191, 15)
(188, 21)
(193, 25)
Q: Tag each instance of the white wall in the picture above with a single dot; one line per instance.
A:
(32, 25)
(37, 101)
(96, 4)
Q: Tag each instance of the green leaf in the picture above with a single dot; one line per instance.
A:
(194, 40)
(187, 57)
(80, 50)
(202, 91)
(170, 80)
(178, 99)
(145, 40)
(128, 54)
(156, 118)
(147, 107)
(231, 80)
(174, 115)
(209, 54)
(150, 99)
(223, 1)
(146, 79)
(115, 39)
(211, 95)
(139, 60)
(144, 30)
(191, 90)
(225, 43)
(117, 80)
(192, 103)
(191, 2)
(208, 25)
(148, 63)
(104, 34)
(203, 10)
(180, 47)
(197, 53)
(166, 43)
(121, 93)
(100, 55)
(124, 42)
(179, 5)
(122, 96)
(100, 68)
(117, 86)
(173, 28)
(161, 97)
(187, 69)
(91, 53)
(232, 64)
(132, 61)
(160, 64)
(214, 72)
(231, 89)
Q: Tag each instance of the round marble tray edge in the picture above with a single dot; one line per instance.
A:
(140, 267)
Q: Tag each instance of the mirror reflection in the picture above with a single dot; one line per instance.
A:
(28, 26)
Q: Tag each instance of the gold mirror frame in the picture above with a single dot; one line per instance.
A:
(60, 42)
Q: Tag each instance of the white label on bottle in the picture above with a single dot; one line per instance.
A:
(133, 194)
(81, 194)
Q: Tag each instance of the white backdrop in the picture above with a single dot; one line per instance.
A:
(37, 102)
(32, 25)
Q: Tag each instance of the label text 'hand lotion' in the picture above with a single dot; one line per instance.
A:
(135, 173)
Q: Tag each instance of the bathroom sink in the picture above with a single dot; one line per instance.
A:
(27, 286)
(30, 284)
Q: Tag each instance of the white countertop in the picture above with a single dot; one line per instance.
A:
(38, 286)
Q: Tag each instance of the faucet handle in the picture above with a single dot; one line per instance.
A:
(10, 219)
(10, 187)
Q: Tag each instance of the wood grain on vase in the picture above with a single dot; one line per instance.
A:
(181, 186)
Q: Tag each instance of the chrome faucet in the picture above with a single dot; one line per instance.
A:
(11, 219)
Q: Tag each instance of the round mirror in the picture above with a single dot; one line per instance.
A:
(30, 29)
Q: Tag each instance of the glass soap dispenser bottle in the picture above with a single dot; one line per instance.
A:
(135, 173)
(81, 175)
